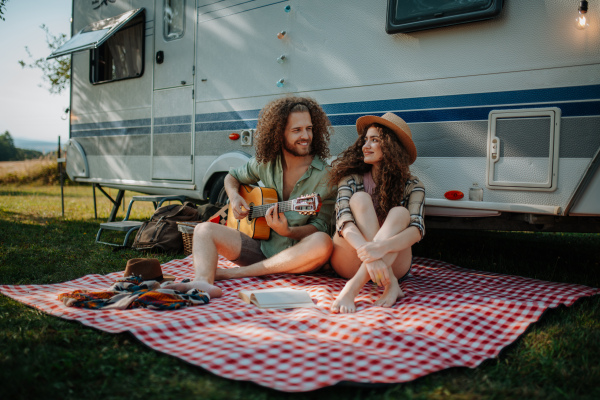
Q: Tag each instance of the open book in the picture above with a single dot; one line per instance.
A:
(277, 298)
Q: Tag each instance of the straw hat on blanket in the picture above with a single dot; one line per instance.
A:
(146, 268)
(396, 124)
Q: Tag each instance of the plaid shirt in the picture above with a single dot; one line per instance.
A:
(413, 200)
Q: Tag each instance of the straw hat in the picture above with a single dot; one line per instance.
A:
(396, 124)
(146, 268)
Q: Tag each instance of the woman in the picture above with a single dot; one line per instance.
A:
(379, 210)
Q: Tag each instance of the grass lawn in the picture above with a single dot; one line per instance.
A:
(46, 357)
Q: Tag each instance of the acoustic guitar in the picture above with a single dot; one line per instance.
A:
(260, 199)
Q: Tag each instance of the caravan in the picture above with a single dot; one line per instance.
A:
(502, 97)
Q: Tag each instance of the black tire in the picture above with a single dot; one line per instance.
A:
(217, 194)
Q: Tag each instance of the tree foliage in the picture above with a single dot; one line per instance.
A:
(57, 71)
(2, 8)
(8, 151)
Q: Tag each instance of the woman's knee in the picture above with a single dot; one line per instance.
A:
(399, 215)
(360, 202)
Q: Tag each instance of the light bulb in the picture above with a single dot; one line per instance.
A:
(280, 82)
(281, 35)
(281, 59)
(581, 22)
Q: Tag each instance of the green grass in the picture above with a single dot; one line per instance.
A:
(47, 357)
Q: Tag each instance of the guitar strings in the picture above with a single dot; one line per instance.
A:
(261, 210)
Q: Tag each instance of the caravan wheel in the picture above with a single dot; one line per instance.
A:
(218, 195)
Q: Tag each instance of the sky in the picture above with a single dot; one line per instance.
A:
(27, 110)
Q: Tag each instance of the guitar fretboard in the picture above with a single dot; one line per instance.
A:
(261, 211)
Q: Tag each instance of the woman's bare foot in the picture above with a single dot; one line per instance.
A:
(344, 303)
(390, 295)
(212, 290)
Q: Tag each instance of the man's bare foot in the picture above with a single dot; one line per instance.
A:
(212, 290)
(344, 303)
(390, 295)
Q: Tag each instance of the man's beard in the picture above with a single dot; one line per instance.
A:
(292, 150)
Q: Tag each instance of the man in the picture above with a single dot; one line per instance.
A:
(292, 143)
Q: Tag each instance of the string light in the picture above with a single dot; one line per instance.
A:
(581, 22)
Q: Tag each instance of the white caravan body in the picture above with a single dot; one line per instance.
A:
(505, 111)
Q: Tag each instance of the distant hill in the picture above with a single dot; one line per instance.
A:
(44, 147)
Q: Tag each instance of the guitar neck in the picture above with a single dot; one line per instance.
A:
(261, 210)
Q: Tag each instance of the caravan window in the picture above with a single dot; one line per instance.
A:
(121, 56)
(173, 19)
(415, 15)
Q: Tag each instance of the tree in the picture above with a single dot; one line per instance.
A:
(57, 71)
(8, 152)
(2, 8)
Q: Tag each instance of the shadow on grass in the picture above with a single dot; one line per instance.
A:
(558, 257)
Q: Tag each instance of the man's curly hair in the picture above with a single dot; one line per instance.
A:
(393, 170)
(272, 119)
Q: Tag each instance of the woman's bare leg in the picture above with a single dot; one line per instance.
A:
(344, 259)
(398, 265)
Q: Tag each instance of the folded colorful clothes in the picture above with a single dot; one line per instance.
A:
(134, 292)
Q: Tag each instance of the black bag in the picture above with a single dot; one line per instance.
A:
(160, 233)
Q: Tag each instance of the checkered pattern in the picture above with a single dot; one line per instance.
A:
(450, 317)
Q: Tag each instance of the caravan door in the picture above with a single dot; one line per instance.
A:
(173, 103)
(523, 149)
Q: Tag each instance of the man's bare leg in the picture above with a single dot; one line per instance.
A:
(305, 256)
(210, 240)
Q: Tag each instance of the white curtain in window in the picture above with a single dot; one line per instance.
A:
(126, 50)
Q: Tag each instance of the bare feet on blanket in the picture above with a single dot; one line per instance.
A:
(344, 303)
(212, 290)
(390, 295)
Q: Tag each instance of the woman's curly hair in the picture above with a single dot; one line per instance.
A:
(393, 170)
(272, 119)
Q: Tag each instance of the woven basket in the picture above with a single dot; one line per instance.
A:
(187, 233)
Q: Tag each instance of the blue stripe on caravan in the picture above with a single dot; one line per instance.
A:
(465, 107)
(522, 97)
(572, 93)
(112, 124)
(111, 132)
(184, 128)
(179, 119)
(472, 114)
(439, 115)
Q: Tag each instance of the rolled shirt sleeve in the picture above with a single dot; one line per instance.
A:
(347, 186)
(415, 203)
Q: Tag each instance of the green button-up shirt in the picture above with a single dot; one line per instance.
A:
(314, 180)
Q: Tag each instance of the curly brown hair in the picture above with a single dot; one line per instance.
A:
(272, 119)
(391, 176)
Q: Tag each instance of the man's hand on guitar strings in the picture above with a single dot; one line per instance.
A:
(277, 221)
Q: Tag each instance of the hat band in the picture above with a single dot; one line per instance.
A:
(158, 278)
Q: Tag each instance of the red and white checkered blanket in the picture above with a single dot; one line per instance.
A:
(450, 317)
